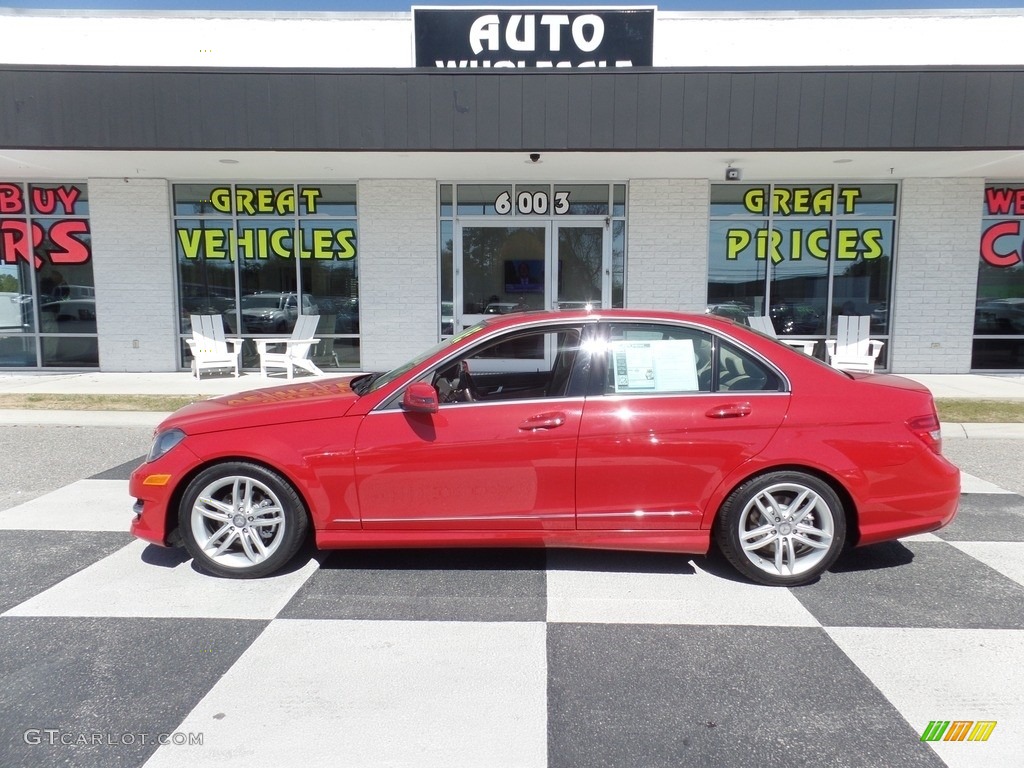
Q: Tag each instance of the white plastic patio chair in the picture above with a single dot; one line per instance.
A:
(852, 349)
(210, 349)
(292, 352)
(763, 323)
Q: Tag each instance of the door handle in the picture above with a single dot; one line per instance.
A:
(729, 411)
(543, 421)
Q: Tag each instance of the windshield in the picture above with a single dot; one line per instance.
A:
(380, 380)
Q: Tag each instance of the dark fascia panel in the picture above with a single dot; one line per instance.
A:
(403, 110)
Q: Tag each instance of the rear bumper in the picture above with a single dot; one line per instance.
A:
(914, 511)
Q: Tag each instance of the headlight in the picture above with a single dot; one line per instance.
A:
(163, 442)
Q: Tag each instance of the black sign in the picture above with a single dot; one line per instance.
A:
(485, 38)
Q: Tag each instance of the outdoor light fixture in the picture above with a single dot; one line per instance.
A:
(733, 174)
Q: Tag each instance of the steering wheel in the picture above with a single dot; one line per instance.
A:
(467, 387)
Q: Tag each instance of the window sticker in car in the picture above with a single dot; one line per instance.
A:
(667, 365)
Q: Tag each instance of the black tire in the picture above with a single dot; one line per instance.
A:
(792, 523)
(244, 538)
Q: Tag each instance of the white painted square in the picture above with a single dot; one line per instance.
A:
(1007, 557)
(971, 484)
(668, 598)
(948, 674)
(86, 505)
(376, 693)
(922, 537)
(125, 584)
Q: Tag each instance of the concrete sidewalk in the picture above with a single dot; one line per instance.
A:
(183, 383)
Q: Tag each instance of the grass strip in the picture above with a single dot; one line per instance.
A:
(974, 411)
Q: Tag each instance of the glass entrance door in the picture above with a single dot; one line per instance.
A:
(583, 268)
(503, 269)
(512, 268)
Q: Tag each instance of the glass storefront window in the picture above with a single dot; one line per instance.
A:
(584, 199)
(999, 311)
(479, 199)
(261, 255)
(47, 290)
(803, 254)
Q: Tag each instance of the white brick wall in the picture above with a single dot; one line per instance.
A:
(133, 268)
(398, 281)
(667, 232)
(936, 275)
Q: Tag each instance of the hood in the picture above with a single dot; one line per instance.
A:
(321, 399)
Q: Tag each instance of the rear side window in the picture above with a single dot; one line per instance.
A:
(649, 358)
(657, 359)
(738, 371)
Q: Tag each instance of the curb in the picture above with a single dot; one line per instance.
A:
(29, 417)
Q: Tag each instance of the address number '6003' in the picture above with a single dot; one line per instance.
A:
(532, 203)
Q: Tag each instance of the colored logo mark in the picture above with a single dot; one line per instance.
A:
(958, 730)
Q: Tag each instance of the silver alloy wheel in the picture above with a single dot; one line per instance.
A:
(238, 521)
(786, 529)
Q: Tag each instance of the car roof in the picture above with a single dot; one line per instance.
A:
(533, 317)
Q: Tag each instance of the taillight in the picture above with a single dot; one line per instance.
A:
(928, 429)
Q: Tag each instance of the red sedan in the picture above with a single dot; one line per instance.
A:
(618, 429)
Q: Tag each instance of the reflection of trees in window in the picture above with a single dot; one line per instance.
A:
(618, 263)
(579, 263)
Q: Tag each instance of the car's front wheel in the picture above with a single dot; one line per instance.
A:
(241, 520)
(782, 529)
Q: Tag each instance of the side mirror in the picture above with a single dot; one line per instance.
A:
(420, 398)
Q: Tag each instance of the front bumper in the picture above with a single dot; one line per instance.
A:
(153, 485)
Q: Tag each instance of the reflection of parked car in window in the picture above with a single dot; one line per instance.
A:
(797, 318)
(734, 310)
(500, 308)
(999, 316)
(273, 312)
(338, 314)
(69, 316)
(65, 291)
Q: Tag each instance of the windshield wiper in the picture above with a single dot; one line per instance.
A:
(361, 384)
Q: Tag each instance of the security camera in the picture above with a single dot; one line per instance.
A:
(733, 174)
(535, 157)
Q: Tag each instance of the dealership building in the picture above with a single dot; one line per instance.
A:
(404, 175)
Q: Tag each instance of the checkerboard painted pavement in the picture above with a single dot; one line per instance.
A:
(481, 658)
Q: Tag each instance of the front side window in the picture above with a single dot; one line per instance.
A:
(260, 255)
(521, 365)
(47, 290)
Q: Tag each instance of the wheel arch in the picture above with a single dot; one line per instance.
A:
(726, 490)
(174, 500)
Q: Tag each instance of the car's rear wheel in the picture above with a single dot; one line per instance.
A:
(241, 520)
(782, 529)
